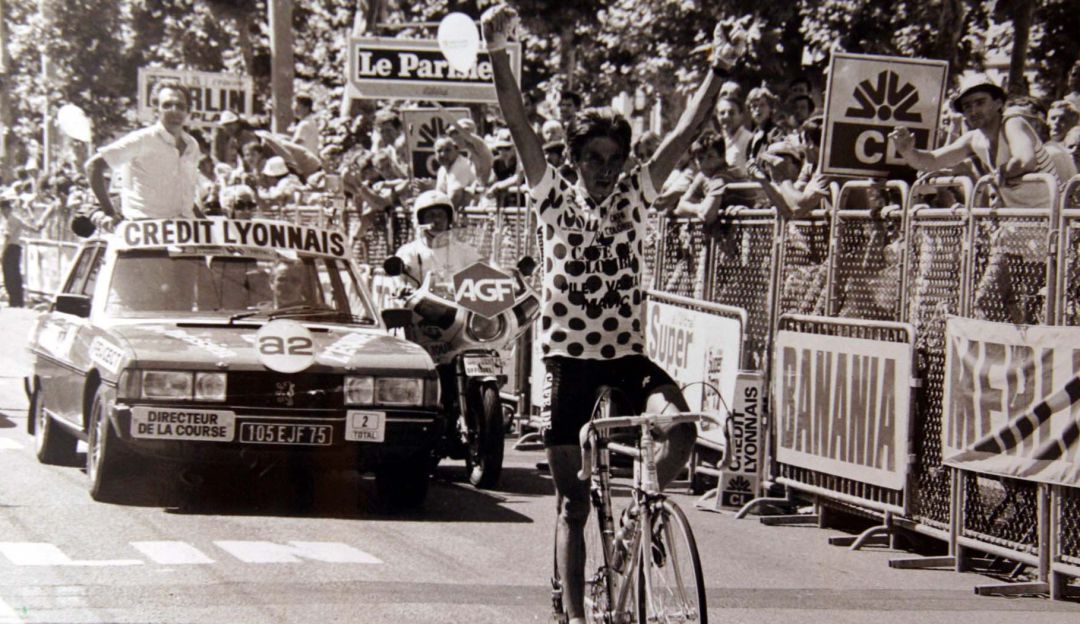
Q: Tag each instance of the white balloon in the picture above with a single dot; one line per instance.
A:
(459, 41)
(74, 123)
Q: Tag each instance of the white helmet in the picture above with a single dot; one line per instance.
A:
(432, 199)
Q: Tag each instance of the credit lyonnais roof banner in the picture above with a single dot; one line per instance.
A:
(381, 67)
(1012, 400)
(254, 234)
(866, 98)
(211, 93)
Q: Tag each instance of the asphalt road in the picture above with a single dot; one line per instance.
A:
(236, 549)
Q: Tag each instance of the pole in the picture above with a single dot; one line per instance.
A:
(281, 63)
(5, 99)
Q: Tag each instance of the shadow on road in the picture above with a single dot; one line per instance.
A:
(6, 422)
(282, 491)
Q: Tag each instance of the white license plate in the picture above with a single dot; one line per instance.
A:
(286, 433)
(482, 366)
(365, 426)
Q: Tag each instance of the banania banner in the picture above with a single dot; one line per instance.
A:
(842, 406)
(1012, 400)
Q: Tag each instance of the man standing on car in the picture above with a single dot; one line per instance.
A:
(158, 165)
(592, 326)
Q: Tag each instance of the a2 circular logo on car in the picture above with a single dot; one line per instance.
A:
(285, 346)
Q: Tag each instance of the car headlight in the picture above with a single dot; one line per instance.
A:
(185, 385)
(483, 329)
(209, 386)
(399, 391)
(359, 390)
(166, 384)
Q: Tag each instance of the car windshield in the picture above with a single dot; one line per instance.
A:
(149, 283)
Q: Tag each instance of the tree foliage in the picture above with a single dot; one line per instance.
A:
(603, 47)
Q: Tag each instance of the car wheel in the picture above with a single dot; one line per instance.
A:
(485, 459)
(53, 444)
(106, 459)
(403, 485)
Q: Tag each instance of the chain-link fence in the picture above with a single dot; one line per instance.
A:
(804, 268)
(683, 254)
(743, 259)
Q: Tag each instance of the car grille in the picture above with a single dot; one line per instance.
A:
(283, 391)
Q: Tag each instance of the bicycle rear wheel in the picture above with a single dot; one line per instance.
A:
(671, 587)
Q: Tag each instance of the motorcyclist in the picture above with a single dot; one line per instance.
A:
(437, 249)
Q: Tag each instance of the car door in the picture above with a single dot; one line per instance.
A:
(61, 372)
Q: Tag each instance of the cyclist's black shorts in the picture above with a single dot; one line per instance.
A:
(570, 386)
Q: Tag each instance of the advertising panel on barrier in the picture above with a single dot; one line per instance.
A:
(415, 69)
(422, 127)
(866, 98)
(741, 477)
(695, 348)
(1012, 400)
(842, 406)
(211, 94)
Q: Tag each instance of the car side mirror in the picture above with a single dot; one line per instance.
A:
(397, 317)
(526, 266)
(76, 305)
(393, 266)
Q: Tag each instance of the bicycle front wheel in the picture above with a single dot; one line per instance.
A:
(597, 581)
(671, 587)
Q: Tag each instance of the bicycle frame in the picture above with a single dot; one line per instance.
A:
(596, 465)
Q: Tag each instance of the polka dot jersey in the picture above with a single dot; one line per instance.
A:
(592, 295)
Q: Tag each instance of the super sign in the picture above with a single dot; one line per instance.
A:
(866, 98)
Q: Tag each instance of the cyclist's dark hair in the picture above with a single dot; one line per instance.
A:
(590, 123)
(171, 85)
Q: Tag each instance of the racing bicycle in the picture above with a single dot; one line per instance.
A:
(649, 569)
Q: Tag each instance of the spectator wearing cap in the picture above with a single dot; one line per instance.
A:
(372, 195)
(159, 164)
(762, 105)
(12, 232)
(1061, 118)
(305, 129)
(506, 175)
(795, 196)
(280, 185)
(473, 147)
(729, 114)
(997, 143)
(230, 136)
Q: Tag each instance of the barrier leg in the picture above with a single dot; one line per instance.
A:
(788, 502)
(873, 534)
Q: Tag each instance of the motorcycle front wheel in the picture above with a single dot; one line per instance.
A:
(485, 455)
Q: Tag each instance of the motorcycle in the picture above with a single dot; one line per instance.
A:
(463, 326)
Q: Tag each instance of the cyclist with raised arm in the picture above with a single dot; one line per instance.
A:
(592, 320)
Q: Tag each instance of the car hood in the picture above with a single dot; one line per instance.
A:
(196, 345)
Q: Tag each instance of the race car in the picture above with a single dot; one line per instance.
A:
(220, 341)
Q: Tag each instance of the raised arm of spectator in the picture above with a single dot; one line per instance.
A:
(95, 173)
(497, 23)
(479, 152)
(678, 141)
(948, 155)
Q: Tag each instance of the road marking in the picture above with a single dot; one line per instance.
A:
(269, 552)
(172, 553)
(43, 554)
(9, 444)
(8, 615)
